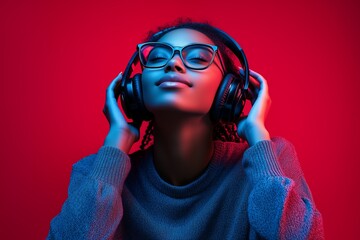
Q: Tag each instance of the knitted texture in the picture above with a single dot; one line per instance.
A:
(256, 192)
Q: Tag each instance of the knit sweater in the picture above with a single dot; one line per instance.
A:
(256, 192)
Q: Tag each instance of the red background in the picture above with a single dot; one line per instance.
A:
(57, 58)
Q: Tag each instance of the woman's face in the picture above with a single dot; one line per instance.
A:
(195, 97)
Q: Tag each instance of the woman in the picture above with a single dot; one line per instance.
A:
(188, 184)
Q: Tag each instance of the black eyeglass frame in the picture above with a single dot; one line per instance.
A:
(179, 50)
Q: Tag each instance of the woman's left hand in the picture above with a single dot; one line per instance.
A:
(252, 126)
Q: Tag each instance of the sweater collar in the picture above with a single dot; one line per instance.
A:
(223, 152)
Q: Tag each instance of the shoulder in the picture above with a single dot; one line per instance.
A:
(234, 149)
(277, 148)
(283, 149)
(85, 163)
(229, 152)
(237, 149)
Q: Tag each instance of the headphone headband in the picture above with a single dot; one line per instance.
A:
(239, 53)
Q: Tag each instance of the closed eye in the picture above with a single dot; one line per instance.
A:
(157, 58)
(198, 59)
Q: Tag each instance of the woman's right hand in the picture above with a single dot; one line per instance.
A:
(121, 134)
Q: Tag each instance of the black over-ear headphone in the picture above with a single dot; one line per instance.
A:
(228, 103)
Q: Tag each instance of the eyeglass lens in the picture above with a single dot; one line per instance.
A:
(194, 56)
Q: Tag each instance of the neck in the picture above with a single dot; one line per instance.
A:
(183, 147)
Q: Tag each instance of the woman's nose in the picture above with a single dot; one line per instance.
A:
(175, 64)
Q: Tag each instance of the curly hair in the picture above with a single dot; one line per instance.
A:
(223, 131)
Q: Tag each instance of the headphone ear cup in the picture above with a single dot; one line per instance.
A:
(139, 110)
(229, 100)
(220, 98)
(237, 99)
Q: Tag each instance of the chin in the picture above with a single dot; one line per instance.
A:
(175, 104)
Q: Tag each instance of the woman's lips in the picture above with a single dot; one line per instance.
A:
(173, 82)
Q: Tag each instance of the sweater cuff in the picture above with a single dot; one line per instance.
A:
(111, 166)
(260, 161)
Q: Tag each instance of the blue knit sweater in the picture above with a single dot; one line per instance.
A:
(256, 192)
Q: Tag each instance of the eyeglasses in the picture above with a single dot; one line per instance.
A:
(194, 56)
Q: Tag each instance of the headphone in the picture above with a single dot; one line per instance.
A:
(229, 100)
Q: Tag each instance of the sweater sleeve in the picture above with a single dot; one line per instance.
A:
(93, 209)
(280, 204)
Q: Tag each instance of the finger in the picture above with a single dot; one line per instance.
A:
(115, 81)
(257, 76)
(252, 81)
(111, 101)
(263, 100)
(110, 90)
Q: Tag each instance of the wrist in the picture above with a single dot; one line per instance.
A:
(256, 133)
(120, 139)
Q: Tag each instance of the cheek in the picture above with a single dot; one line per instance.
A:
(207, 89)
(155, 98)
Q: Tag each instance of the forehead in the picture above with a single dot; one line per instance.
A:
(184, 36)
